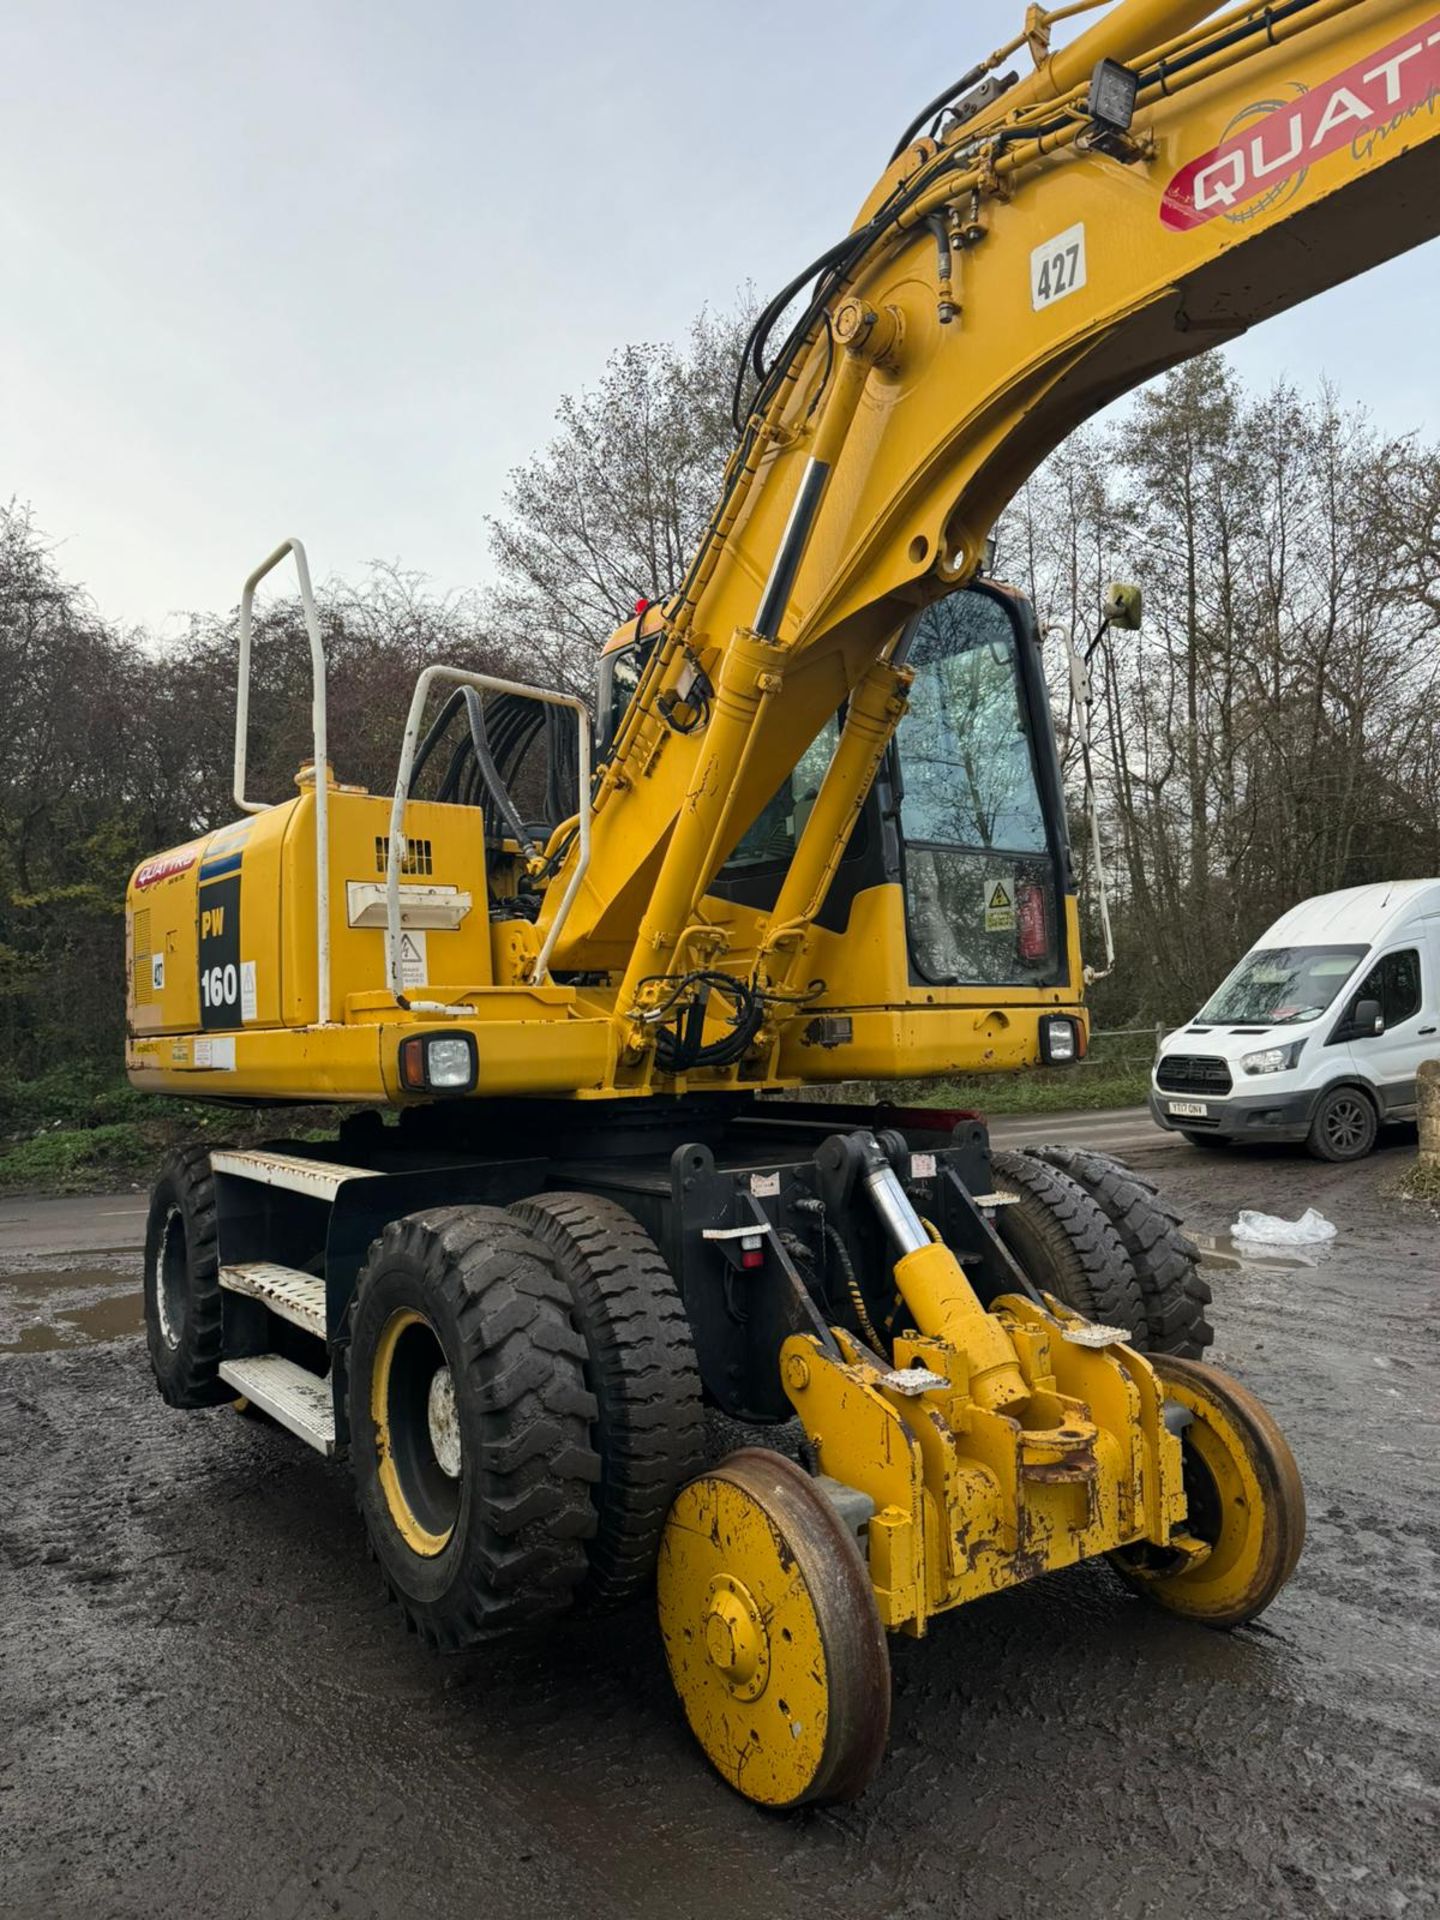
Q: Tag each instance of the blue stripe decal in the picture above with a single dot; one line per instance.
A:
(216, 869)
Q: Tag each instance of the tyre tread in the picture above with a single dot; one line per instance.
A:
(537, 1464)
(1090, 1268)
(1174, 1292)
(641, 1366)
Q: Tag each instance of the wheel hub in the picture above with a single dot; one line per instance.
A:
(444, 1423)
(735, 1637)
(170, 1278)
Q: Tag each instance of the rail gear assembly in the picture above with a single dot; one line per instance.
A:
(511, 1306)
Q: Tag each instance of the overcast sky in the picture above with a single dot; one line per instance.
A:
(325, 269)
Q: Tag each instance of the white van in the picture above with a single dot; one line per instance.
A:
(1319, 1032)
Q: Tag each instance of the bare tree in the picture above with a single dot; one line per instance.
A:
(612, 508)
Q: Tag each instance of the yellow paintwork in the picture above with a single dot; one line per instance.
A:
(743, 1640)
(415, 1534)
(1030, 1452)
(970, 1501)
(1258, 1499)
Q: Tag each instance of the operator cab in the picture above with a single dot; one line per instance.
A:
(966, 813)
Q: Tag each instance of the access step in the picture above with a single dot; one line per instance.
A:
(297, 1297)
(298, 1400)
(320, 1179)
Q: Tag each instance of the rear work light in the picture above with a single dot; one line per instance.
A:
(438, 1062)
(1059, 1040)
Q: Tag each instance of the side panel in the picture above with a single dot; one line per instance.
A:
(446, 849)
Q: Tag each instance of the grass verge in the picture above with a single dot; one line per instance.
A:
(76, 1130)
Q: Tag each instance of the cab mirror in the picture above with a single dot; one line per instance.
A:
(1367, 1019)
(1121, 606)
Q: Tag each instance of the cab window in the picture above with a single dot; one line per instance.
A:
(1395, 983)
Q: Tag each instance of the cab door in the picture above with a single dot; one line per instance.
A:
(1404, 981)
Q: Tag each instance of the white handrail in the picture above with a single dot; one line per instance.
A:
(484, 683)
(1082, 697)
(318, 736)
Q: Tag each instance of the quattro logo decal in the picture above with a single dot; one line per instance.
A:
(1387, 86)
(165, 868)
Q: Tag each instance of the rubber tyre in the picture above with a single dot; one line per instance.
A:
(1330, 1138)
(182, 1283)
(1173, 1290)
(640, 1365)
(1253, 1514)
(512, 1549)
(1065, 1244)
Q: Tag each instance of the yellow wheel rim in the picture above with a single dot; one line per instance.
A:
(416, 1445)
(1245, 1499)
(771, 1634)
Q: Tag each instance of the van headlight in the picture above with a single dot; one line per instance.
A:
(1272, 1059)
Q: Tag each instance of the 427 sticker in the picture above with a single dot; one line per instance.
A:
(1058, 267)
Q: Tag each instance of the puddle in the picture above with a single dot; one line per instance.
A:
(43, 1311)
(1224, 1250)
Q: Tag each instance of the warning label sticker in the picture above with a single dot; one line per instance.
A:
(999, 909)
(414, 960)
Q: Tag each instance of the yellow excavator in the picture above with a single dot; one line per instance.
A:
(814, 832)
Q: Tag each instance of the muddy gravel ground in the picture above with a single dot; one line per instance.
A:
(207, 1708)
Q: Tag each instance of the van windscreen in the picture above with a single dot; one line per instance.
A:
(1275, 986)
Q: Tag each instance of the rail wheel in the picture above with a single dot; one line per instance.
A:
(640, 1364)
(773, 1640)
(182, 1283)
(1246, 1504)
(470, 1424)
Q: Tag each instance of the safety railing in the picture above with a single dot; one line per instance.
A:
(319, 748)
(483, 683)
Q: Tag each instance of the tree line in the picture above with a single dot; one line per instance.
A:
(1272, 731)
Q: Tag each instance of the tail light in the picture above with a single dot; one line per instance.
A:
(1032, 920)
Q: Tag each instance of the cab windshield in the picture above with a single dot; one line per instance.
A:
(1281, 986)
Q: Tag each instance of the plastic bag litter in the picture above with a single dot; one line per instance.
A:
(1268, 1229)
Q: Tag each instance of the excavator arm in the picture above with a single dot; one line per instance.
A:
(1154, 189)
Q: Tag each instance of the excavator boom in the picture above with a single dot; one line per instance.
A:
(1155, 189)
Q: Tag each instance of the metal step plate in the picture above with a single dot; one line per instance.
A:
(317, 1178)
(297, 1399)
(295, 1296)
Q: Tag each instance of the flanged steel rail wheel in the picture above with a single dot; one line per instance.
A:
(1246, 1504)
(772, 1635)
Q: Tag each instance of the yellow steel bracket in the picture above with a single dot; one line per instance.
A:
(969, 1498)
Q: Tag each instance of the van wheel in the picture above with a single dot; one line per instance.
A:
(1344, 1127)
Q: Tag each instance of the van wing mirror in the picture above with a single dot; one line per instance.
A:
(1367, 1019)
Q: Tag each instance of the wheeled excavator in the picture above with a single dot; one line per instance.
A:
(815, 834)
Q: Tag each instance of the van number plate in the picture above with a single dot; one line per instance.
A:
(1188, 1109)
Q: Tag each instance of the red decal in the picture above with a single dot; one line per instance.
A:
(165, 868)
(1353, 107)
